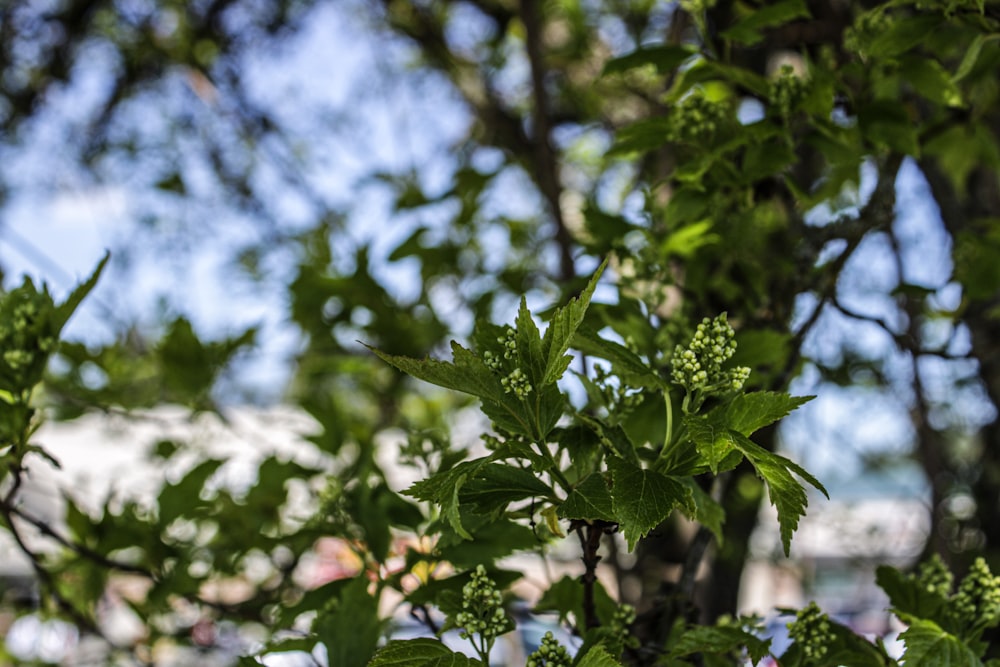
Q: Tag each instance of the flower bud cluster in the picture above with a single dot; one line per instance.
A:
(516, 382)
(509, 344)
(935, 577)
(26, 336)
(978, 597)
(696, 118)
(699, 366)
(787, 90)
(811, 631)
(621, 624)
(482, 608)
(622, 619)
(550, 654)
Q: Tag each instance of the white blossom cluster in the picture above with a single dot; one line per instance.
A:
(811, 630)
(550, 654)
(978, 597)
(699, 366)
(482, 608)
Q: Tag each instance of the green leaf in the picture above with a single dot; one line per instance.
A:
(687, 203)
(748, 30)
(531, 361)
(664, 58)
(468, 374)
(722, 640)
(66, 309)
(491, 540)
(886, 122)
(927, 645)
(625, 363)
(711, 436)
(421, 652)
(908, 596)
(767, 158)
(496, 485)
(713, 433)
(443, 490)
(786, 493)
(589, 501)
(748, 413)
(349, 626)
(972, 56)
(902, 35)
(598, 657)
(562, 326)
(688, 239)
(931, 80)
(643, 499)
(706, 510)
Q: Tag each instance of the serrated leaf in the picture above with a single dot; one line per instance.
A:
(747, 413)
(711, 436)
(495, 485)
(443, 490)
(531, 361)
(491, 540)
(421, 652)
(927, 645)
(786, 493)
(66, 309)
(706, 510)
(907, 595)
(748, 30)
(589, 501)
(642, 499)
(721, 639)
(598, 657)
(665, 59)
(350, 627)
(625, 363)
(561, 328)
(468, 374)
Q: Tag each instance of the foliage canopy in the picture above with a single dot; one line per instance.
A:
(633, 178)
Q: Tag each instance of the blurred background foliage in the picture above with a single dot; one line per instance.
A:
(392, 171)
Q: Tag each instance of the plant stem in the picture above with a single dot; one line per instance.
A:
(590, 543)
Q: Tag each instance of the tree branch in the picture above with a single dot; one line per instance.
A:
(546, 164)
